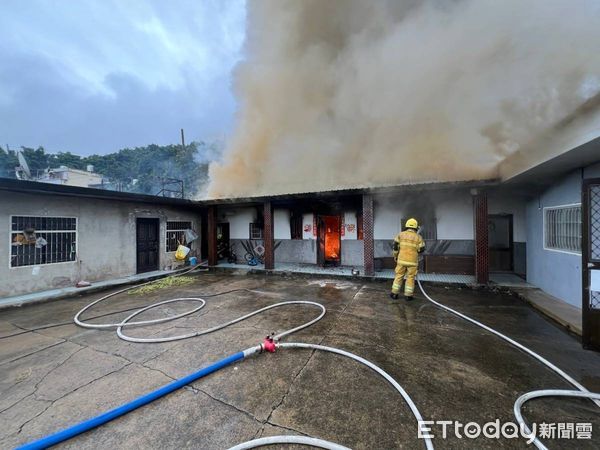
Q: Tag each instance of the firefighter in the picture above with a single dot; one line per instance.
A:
(407, 246)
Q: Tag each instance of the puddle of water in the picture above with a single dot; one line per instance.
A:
(331, 283)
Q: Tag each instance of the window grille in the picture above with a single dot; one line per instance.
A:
(175, 234)
(562, 228)
(428, 227)
(256, 231)
(42, 240)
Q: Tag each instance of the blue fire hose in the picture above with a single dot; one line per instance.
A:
(94, 422)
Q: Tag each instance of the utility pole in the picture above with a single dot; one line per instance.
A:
(182, 148)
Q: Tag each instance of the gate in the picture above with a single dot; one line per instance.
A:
(590, 254)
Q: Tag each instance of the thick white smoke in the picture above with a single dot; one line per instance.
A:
(346, 93)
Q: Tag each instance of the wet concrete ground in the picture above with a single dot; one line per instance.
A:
(57, 376)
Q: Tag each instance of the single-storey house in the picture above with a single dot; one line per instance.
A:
(540, 219)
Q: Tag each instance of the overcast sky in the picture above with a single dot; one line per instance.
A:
(95, 76)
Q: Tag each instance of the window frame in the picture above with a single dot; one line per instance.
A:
(167, 231)
(544, 234)
(260, 227)
(11, 232)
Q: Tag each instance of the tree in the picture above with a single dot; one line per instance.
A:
(65, 159)
(8, 162)
(37, 159)
(138, 169)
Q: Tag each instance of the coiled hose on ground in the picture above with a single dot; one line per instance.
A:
(124, 409)
(177, 384)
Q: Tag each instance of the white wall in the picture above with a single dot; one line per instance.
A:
(308, 231)
(239, 220)
(281, 224)
(454, 214)
(386, 221)
(349, 226)
(453, 211)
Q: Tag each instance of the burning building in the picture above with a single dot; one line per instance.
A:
(353, 117)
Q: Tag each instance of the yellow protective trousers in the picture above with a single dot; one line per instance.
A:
(409, 286)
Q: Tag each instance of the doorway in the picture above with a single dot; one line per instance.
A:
(147, 244)
(223, 245)
(500, 235)
(329, 240)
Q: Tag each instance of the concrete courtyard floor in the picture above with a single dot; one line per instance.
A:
(57, 376)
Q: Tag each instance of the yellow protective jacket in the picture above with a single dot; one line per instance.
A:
(407, 246)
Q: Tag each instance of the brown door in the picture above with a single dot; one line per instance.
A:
(590, 255)
(147, 245)
(500, 242)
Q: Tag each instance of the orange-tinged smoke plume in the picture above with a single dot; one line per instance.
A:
(351, 93)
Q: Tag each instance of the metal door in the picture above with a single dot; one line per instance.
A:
(500, 242)
(590, 253)
(147, 245)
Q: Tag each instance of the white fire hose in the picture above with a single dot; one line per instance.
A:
(276, 338)
(581, 393)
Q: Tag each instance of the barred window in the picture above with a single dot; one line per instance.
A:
(256, 231)
(562, 228)
(42, 240)
(175, 234)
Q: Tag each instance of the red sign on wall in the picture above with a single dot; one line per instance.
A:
(314, 224)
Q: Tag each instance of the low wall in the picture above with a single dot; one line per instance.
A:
(287, 251)
(455, 247)
(296, 251)
(352, 253)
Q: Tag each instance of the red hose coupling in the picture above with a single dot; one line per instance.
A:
(268, 345)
